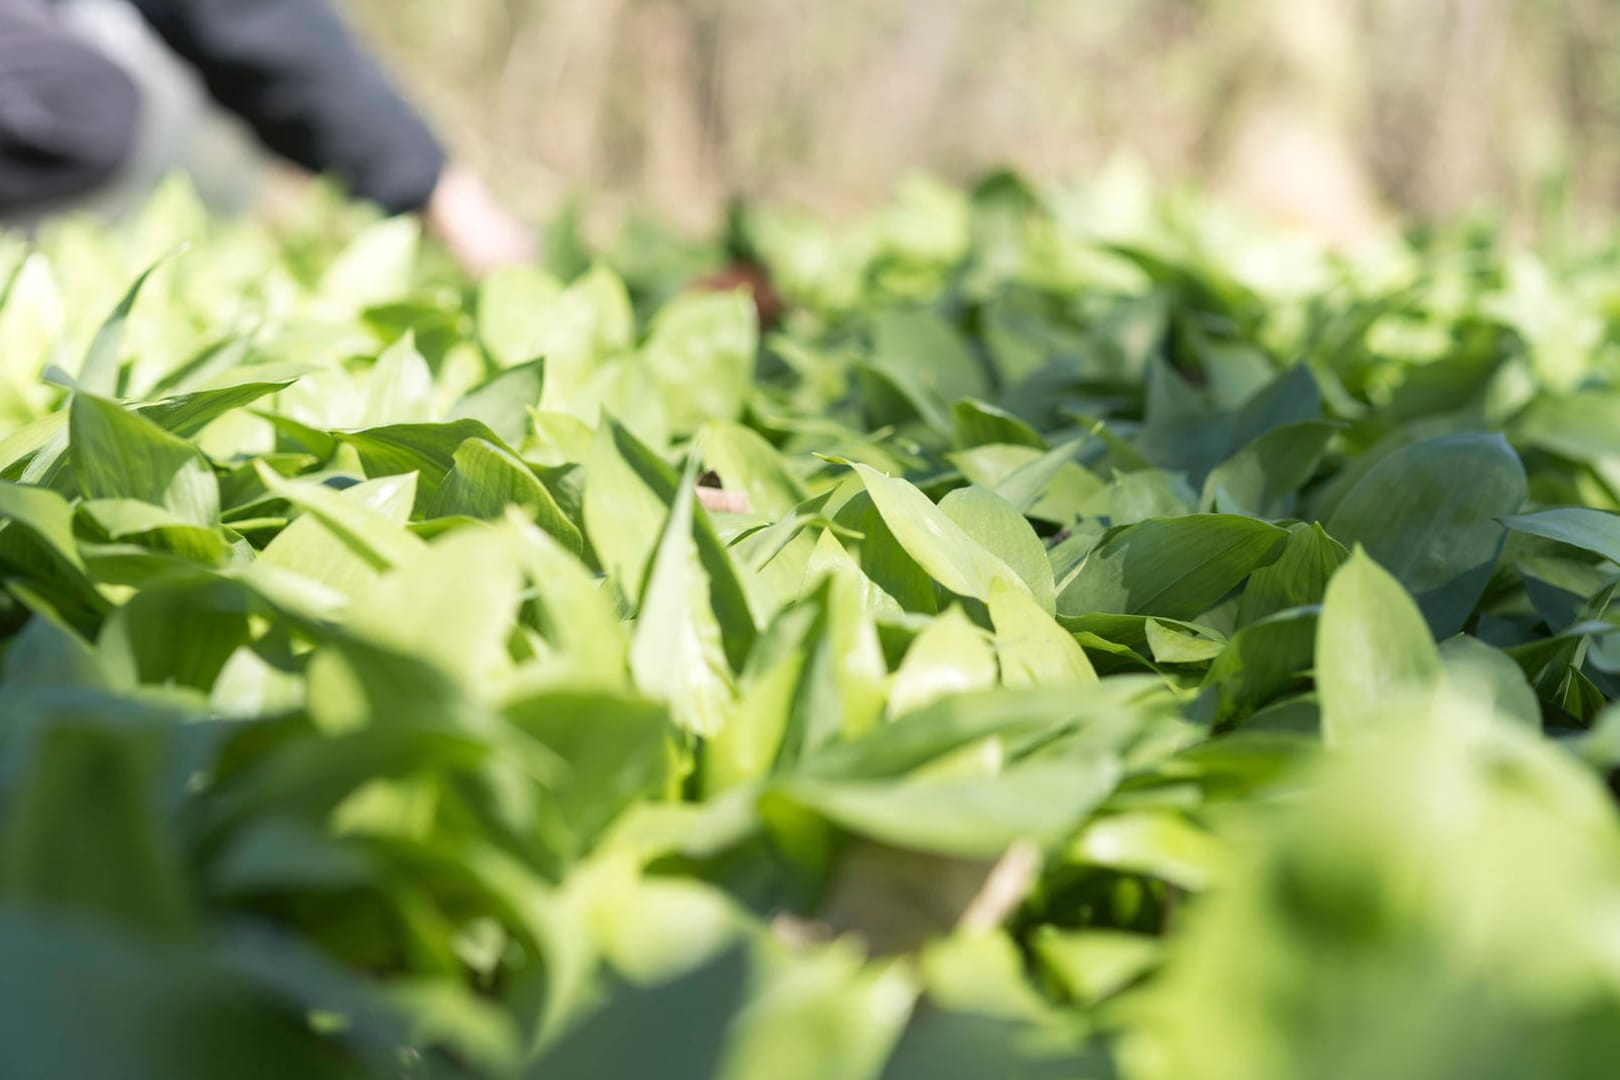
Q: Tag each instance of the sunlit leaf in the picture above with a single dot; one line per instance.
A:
(1372, 645)
(119, 455)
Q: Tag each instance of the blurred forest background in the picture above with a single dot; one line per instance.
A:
(1331, 114)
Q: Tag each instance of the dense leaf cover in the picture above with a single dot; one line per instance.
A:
(1151, 648)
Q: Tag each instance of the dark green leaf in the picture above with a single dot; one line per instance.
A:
(1438, 534)
(1175, 567)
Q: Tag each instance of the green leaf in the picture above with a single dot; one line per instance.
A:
(938, 544)
(979, 972)
(1579, 697)
(1291, 398)
(629, 494)
(503, 403)
(1372, 647)
(972, 817)
(613, 749)
(842, 680)
(940, 1043)
(823, 1015)
(1032, 648)
(375, 267)
(882, 559)
(677, 654)
(18, 449)
(891, 398)
(1298, 578)
(1493, 677)
(99, 372)
(1182, 431)
(951, 656)
(181, 630)
(996, 526)
(587, 334)
(350, 556)
(1596, 531)
(1177, 568)
(1027, 485)
(911, 741)
(1370, 866)
(415, 734)
(1050, 486)
(1173, 646)
(978, 423)
(575, 614)
(749, 464)
(46, 517)
(119, 455)
(557, 439)
(48, 653)
(399, 387)
(753, 741)
(155, 528)
(454, 605)
(379, 543)
(920, 347)
(111, 856)
(682, 1026)
(1135, 497)
(297, 437)
(652, 927)
(187, 414)
(103, 977)
(1440, 537)
(1262, 661)
(1258, 479)
(513, 305)
(700, 357)
(43, 566)
(1133, 631)
(210, 362)
(429, 450)
(1157, 843)
(1582, 426)
(487, 478)
(1559, 587)
(1092, 965)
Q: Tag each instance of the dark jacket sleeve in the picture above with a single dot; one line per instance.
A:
(295, 73)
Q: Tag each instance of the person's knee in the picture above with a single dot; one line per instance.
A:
(69, 121)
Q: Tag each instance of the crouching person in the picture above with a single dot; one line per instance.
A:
(289, 68)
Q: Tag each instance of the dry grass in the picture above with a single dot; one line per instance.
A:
(1324, 112)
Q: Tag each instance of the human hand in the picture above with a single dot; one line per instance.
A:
(481, 233)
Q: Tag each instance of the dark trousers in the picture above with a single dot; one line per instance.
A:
(68, 114)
